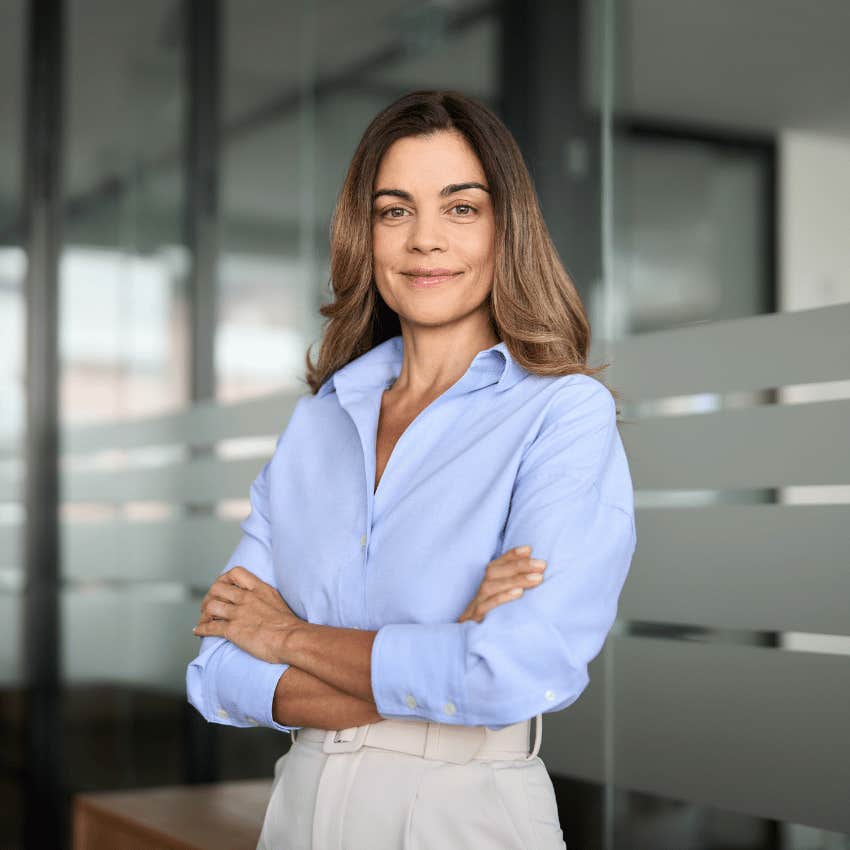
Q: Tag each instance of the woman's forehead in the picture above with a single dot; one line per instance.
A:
(430, 162)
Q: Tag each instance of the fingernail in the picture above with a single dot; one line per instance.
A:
(534, 577)
(524, 550)
(516, 591)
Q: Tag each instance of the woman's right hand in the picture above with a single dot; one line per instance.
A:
(505, 579)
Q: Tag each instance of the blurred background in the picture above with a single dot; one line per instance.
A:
(167, 174)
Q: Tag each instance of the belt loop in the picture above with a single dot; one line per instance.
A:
(538, 737)
(432, 741)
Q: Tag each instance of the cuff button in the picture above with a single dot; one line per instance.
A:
(222, 713)
(410, 701)
(450, 708)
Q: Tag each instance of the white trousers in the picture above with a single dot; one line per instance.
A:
(376, 799)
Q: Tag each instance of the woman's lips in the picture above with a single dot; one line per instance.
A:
(424, 281)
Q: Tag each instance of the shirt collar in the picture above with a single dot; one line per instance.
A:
(381, 365)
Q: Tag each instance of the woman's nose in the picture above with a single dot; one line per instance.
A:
(427, 233)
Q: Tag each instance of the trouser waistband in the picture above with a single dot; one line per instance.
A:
(440, 741)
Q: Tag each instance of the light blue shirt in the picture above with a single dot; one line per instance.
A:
(501, 459)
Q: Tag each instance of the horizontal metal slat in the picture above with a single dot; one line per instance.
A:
(752, 729)
(742, 567)
(768, 446)
(192, 550)
(204, 480)
(733, 355)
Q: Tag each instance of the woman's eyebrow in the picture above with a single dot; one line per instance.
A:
(451, 189)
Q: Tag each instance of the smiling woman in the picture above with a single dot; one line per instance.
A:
(454, 222)
(383, 604)
(438, 186)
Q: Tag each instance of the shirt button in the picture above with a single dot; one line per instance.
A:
(253, 721)
(550, 695)
(222, 713)
(363, 540)
(450, 708)
(410, 700)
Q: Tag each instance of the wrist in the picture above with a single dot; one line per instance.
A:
(289, 640)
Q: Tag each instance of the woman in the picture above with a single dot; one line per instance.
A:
(436, 548)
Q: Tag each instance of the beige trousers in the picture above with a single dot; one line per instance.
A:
(377, 799)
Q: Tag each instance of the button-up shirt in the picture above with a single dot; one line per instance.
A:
(503, 458)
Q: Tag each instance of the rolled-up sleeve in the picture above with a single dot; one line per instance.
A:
(572, 502)
(226, 684)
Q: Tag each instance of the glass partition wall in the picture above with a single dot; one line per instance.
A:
(123, 346)
(727, 161)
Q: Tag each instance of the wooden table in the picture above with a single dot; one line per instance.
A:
(220, 816)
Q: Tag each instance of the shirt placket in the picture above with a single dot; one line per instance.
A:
(359, 404)
(363, 404)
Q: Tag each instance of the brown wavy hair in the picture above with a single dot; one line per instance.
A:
(534, 306)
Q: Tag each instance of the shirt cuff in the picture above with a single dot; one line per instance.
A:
(238, 689)
(404, 658)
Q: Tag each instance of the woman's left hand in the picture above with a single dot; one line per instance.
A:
(249, 613)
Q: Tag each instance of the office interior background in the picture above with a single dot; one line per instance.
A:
(167, 174)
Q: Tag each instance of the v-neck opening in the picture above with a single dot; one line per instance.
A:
(400, 436)
(375, 490)
(395, 444)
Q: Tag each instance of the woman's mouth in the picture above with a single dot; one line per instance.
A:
(426, 280)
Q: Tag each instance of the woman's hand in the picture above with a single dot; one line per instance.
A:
(505, 579)
(248, 612)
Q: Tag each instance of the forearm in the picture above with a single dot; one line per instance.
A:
(339, 657)
(302, 699)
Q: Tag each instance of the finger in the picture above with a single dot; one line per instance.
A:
(515, 566)
(523, 580)
(512, 558)
(219, 609)
(529, 565)
(498, 590)
(222, 591)
(205, 619)
(241, 577)
(483, 606)
(226, 592)
(498, 599)
(518, 552)
(210, 628)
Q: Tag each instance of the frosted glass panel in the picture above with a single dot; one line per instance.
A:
(136, 636)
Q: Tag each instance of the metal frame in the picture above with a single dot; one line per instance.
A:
(202, 146)
(201, 159)
(541, 80)
(42, 218)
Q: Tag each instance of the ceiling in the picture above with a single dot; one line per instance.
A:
(758, 65)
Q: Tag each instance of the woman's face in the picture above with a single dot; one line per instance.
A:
(427, 218)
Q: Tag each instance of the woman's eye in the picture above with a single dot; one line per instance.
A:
(389, 211)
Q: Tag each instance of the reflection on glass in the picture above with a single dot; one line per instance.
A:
(729, 181)
(123, 349)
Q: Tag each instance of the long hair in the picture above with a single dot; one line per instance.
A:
(534, 306)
